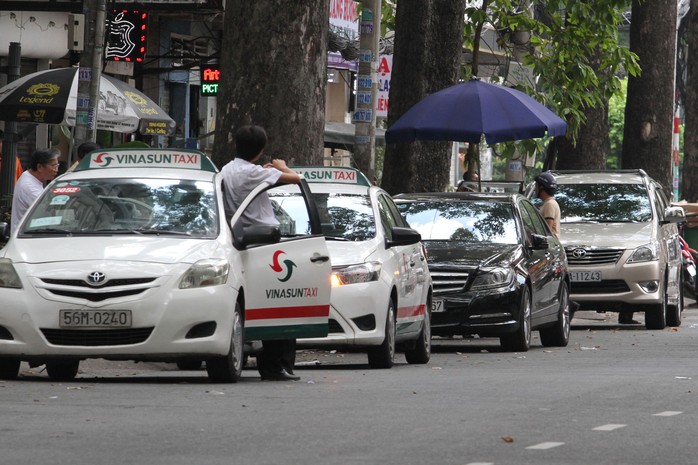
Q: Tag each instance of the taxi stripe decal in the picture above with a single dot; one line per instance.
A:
(287, 312)
(411, 312)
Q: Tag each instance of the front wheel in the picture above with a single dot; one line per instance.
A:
(228, 368)
(520, 340)
(421, 352)
(673, 312)
(558, 335)
(655, 315)
(383, 356)
(62, 370)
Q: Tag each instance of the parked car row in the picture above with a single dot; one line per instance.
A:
(132, 257)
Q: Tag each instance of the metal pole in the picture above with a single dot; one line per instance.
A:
(89, 77)
(97, 54)
(367, 87)
(9, 143)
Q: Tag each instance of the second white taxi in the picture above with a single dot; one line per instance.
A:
(381, 287)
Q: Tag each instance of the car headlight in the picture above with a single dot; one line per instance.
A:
(364, 273)
(8, 275)
(645, 253)
(204, 273)
(492, 278)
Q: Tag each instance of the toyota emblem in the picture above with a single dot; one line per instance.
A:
(579, 253)
(96, 278)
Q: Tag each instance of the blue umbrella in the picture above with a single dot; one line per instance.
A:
(466, 111)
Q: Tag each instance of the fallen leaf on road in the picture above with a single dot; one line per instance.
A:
(507, 439)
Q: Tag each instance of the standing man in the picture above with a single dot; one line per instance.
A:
(83, 149)
(43, 167)
(240, 177)
(550, 210)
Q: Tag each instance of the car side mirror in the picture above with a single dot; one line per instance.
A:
(259, 234)
(674, 215)
(539, 242)
(403, 236)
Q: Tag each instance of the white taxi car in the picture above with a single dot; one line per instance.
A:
(381, 287)
(130, 257)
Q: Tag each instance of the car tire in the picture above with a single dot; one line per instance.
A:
(520, 340)
(674, 312)
(62, 370)
(228, 368)
(655, 315)
(189, 365)
(383, 356)
(558, 335)
(420, 353)
(9, 368)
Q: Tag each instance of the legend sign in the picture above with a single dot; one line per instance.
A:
(210, 78)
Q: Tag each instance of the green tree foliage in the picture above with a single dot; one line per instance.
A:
(616, 117)
(565, 36)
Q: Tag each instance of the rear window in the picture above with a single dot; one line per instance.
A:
(462, 221)
(603, 203)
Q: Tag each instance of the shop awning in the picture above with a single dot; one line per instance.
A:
(341, 135)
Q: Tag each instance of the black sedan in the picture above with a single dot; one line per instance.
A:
(497, 269)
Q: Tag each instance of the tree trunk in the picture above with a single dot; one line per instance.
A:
(274, 68)
(649, 110)
(421, 67)
(592, 143)
(689, 185)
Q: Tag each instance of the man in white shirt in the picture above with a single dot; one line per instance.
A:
(43, 167)
(240, 177)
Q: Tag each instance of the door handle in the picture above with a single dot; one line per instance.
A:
(319, 258)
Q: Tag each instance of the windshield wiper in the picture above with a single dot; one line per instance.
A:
(161, 231)
(48, 231)
(118, 231)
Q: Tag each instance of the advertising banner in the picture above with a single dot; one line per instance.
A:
(344, 21)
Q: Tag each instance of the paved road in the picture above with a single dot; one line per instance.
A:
(616, 395)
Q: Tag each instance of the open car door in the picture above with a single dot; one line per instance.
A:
(287, 267)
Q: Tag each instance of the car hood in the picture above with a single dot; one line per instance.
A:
(466, 254)
(350, 253)
(114, 248)
(623, 235)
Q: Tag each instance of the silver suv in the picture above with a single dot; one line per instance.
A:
(622, 243)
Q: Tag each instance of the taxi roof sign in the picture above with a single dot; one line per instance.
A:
(146, 158)
(332, 175)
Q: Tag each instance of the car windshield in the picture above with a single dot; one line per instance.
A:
(343, 216)
(136, 206)
(474, 221)
(603, 203)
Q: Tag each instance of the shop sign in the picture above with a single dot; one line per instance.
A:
(210, 80)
